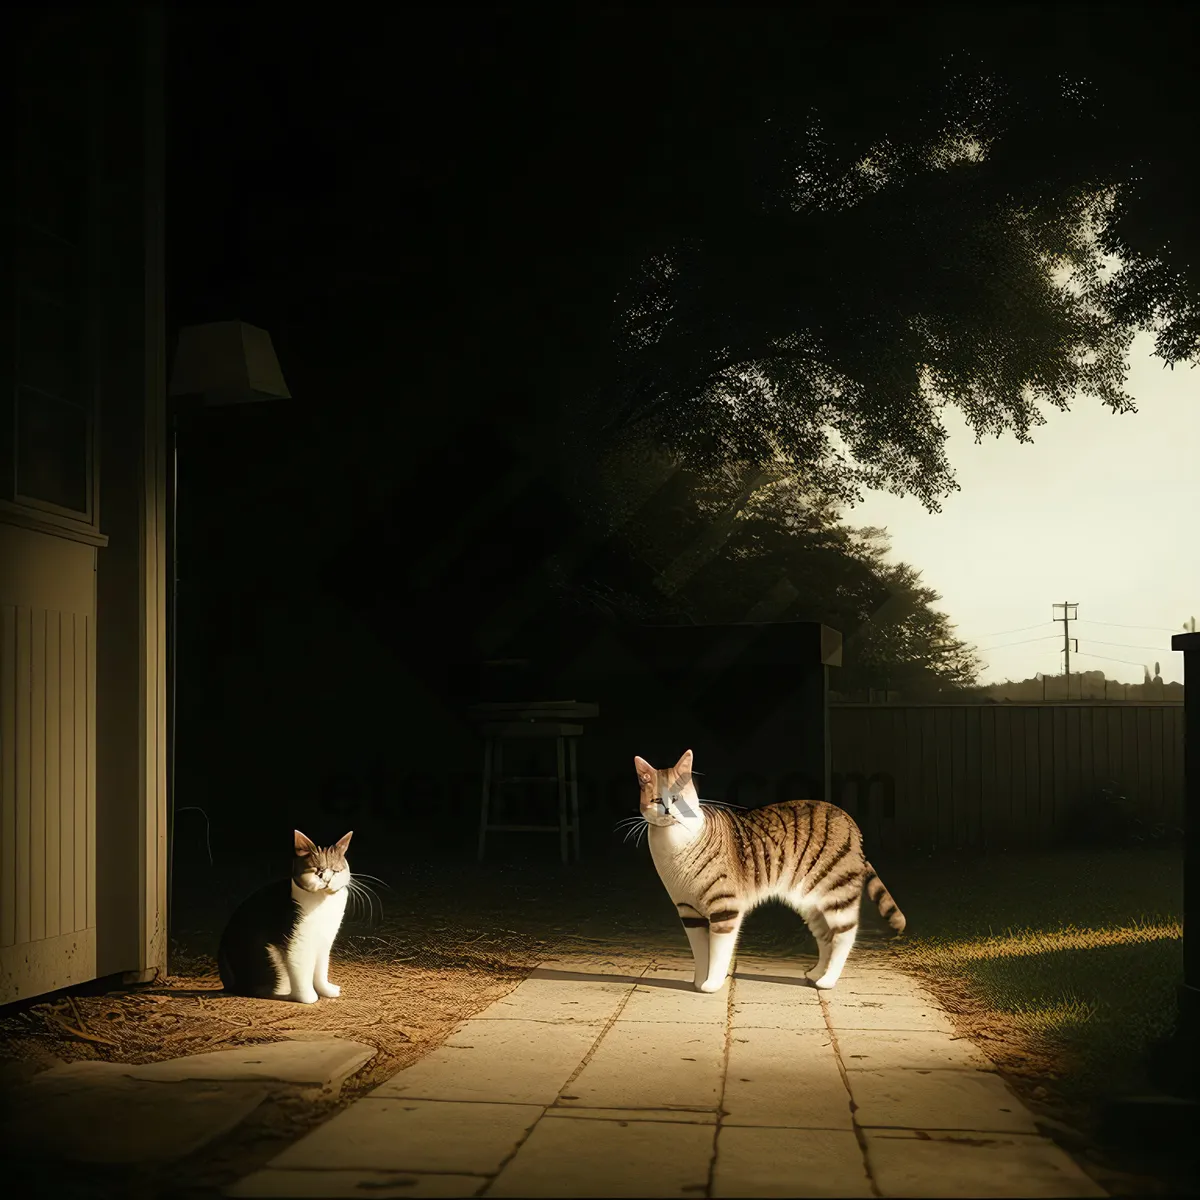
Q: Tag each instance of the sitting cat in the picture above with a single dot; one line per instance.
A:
(278, 940)
(717, 865)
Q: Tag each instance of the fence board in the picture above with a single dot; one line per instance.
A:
(1062, 798)
(945, 779)
(988, 832)
(972, 781)
(1004, 776)
(1046, 792)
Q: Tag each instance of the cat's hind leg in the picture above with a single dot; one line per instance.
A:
(696, 928)
(321, 984)
(835, 936)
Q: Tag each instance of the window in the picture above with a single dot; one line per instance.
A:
(49, 370)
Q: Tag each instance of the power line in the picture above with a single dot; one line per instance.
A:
(1130, 646)
(1127, 661)
(1006, 632)
(1113, 625)
(1022, 642)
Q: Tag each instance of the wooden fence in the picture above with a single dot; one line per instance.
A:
(1001, 776)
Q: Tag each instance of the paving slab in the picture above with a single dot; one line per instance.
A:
(332, 1185)
(642, 1064)
(962, 1163)
(667, 994)
(884, 983)
(609, 1158)
(808, 1017)
(777, 989)
(501, 1061)
(784, 968)
(789, 1162)
(860, 1012)
(325, 1063)
(671, 1115)
(595, 964)
(107, 1117)
(903, 1098)
(784, 1077)
(877, 1049)
(564, 1001)
(416, 1136)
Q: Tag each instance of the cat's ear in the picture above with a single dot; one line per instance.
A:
(343, 844)
(304, 845)
(684, 765)
(645, 772)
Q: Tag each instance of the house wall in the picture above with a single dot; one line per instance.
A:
(82, 597)
(47, 762)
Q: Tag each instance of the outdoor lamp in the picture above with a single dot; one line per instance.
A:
(216, 364)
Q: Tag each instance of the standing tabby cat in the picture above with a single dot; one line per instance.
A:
(278, 940)
(717, 865)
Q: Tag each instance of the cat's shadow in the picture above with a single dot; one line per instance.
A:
(671, 985)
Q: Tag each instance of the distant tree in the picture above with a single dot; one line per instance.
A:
(747, 546)
(1189, 626)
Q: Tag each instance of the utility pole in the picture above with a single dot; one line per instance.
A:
(1070, 613)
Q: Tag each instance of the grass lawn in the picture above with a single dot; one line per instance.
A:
(1081, 951)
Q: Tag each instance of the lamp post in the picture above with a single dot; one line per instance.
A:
(216, 364)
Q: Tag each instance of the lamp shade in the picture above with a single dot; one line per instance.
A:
(227, 362)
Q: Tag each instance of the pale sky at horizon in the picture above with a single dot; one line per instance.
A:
(1096, 511)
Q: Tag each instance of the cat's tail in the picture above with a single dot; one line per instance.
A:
(882, 899)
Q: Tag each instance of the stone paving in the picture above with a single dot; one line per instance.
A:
(610, 1076)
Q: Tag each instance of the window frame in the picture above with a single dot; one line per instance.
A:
(15, 506)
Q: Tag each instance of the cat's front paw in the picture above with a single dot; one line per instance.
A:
(824, 982)
(328, 991)
(711, 985)
(309, 997)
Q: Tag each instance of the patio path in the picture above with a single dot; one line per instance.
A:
(610, 1076)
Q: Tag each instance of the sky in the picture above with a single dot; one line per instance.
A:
(1098, 510)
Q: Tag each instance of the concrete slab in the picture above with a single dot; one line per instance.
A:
(326, 1063)
(786, 968)
(499, 1061)
(620, 965)
(775, 989)
(642, 1064)
(667, 994)
(884, 983)
(876, 1050)
(609, 1158)
(784, 1077)
(951, 1164)
(330, 1185)
(862, 1012)
(566, 1001)
(789, 1162)
(108, 1118)
(414, 1135)
(671, 1115)
(807, 1017)
(902, 1098)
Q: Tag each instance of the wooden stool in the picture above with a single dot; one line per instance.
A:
(534, 721)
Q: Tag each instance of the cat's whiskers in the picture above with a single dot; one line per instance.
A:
(373, 878)
(363, 899)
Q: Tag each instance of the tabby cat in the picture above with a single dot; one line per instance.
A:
(278, 940)
(717, 864)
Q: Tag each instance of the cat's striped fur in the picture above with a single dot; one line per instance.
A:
(717, 865)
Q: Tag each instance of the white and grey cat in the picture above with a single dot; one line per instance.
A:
(277, 943)
(717, 865)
